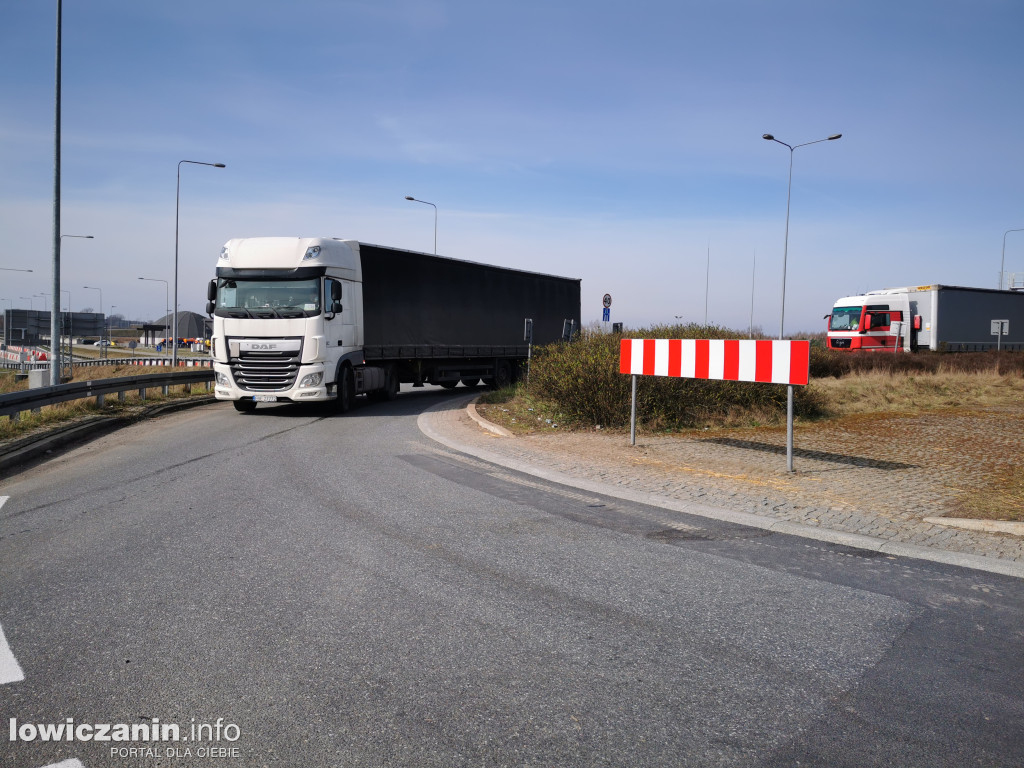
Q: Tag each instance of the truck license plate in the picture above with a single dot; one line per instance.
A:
(265, 398)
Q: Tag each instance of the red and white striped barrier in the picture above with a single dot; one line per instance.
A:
(756, 360)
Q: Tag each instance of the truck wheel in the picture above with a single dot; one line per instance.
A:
(449, 384)
(346, 390)
(470, 382)
(244, 406)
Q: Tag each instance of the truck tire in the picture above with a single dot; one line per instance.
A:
(244, 406)
(470, 382)
(346, 390)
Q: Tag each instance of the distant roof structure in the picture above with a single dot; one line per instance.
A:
(191, 325)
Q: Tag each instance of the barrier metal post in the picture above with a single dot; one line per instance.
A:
(632, 413)
(789, 427)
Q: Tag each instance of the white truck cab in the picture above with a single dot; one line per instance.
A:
(286, 313)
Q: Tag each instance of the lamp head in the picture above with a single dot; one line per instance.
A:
(837, 136)
(410, 198)
(768, 137)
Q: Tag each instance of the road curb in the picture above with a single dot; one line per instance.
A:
(854, 540)
(28, 449)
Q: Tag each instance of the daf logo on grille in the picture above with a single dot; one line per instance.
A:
(278, 345)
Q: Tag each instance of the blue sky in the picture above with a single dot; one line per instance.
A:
(615, 142)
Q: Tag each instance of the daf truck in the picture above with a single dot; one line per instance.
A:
(309, 320)
(937, 317)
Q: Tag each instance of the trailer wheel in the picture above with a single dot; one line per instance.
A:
(470, 382)
(390, 383)
(449, 384)
(346, 390)
(244, 406)
(502, 374)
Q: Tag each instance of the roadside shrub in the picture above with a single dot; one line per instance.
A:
(584, 382)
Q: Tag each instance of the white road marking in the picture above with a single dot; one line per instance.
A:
(72, 763)
(3, 500)
(10, 672)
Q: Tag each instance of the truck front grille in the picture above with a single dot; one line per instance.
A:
(259, 371)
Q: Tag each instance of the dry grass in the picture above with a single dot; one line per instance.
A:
(915, 393)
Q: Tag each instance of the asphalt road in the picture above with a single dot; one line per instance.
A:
(341, 591)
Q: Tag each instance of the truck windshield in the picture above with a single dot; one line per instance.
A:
(268, 298)
(845, 319)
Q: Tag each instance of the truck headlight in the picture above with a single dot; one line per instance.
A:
(223, 379)
(311, 380)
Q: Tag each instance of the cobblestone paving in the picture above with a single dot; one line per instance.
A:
(867, 477)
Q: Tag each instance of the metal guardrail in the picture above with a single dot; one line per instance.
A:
(153, 361)
(13, 403)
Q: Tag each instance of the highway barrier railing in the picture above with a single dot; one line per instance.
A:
(153, 361)
(14, 403)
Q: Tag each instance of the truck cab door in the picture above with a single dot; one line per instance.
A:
(334, 312)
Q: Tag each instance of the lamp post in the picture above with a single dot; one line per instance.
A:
(1002, 263)
(789, 190)
(56, 327)
(435, 218)
(11, 269)
(785, 256)
(167, 300)
(103, 350)
(177, 209)
(6, 324)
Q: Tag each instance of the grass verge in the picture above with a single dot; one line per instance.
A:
(66, 413)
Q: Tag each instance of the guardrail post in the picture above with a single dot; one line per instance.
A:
(166, 390)
(99, 400)
(142, 393)
(632, 414)
(121, 396)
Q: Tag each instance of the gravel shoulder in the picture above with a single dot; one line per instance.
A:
(882, 476)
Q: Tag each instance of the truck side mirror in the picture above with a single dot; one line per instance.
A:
(335, 291)
(336, 307)
(866, 325)
(210, 306)
(211, 291)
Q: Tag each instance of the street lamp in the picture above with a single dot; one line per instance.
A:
(6, 324)
(1002, 263)
(103, 350)
(56, 329)
(789, 189)
(435, 218)
(177, 208)
(785, 256)
(10, 269)
(167, 300)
